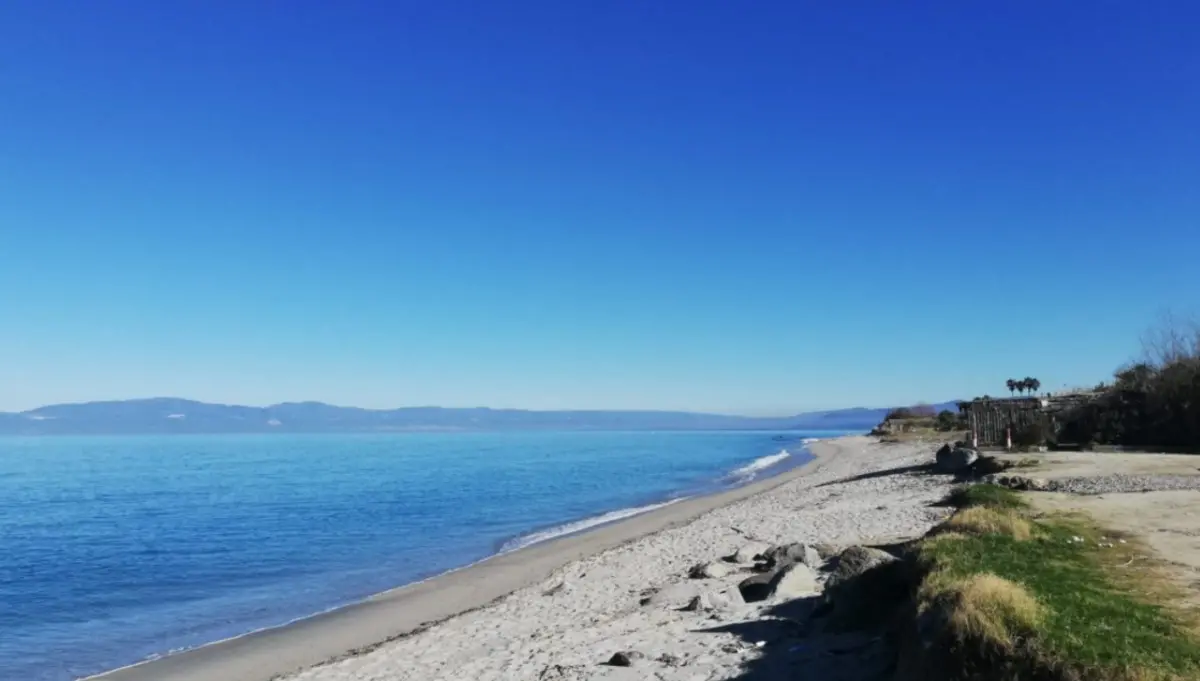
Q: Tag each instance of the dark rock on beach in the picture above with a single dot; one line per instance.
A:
(756, 588)
(786, 554)
(954, 459)
(623, 658)
(863, 586)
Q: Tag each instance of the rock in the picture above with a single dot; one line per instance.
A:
(863, 589)
(1018, 482)
(558, 672)
(624, 658)
(747, 553)
(788, 581)
(756, 588)
(955, 460)
(856, 560)
(787, 554)
(709, 571)
(670, 660)
(724, 599)
(673, 595)
(826, 551)
(988, 465)
(794, 581)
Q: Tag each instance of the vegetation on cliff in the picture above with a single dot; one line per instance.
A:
(1004, 595)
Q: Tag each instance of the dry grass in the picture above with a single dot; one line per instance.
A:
(943, 536)
(1101, 610)
(983, 607)
(981, 520)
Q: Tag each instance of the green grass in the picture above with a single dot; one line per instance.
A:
(988, 496)
(1091, 624)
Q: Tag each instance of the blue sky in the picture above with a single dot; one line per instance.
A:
(742, 207)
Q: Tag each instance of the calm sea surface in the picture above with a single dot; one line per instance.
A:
(116, 549)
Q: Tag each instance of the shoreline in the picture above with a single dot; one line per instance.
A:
(357, 628)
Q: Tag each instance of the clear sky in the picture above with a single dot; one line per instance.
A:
(757, 208)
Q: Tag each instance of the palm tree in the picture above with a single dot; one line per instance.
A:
(1012, 385)
(1020, 385)
(1033, 385)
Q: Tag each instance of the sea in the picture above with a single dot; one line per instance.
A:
(116, 549)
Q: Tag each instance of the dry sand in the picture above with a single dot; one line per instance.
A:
(557, 610)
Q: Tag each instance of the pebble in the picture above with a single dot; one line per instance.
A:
(1106, 484)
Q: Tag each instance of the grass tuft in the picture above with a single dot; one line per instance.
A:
(987, 496)
(984, 520)
(983, 607)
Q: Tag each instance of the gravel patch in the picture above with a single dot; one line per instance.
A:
(1109, 484)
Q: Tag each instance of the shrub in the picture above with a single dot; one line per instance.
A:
(920, 411)
(1153, 402)
(948, 420)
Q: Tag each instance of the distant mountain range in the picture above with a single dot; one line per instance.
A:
(172, 415)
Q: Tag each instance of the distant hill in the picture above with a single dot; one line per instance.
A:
(173, 415)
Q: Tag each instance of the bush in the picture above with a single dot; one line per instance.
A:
(1154, 402)
(920, 411)
(948, 420)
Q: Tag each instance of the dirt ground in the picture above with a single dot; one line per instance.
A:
(1090, 464)
(1168, 522)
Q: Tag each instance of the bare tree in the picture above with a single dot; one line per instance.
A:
(1172, 339)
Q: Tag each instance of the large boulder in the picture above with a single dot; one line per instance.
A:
(989, 465)
(794, 581)
(709, 571)
(864, 587)
(954, 460)
(856, 560)
(786, 554)
(788, 581)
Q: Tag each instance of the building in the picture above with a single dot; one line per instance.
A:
(993, 421)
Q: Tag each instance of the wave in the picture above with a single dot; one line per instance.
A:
(580, 525)
(750, 470)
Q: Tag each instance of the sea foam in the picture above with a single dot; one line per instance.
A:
(581, 525)
(752, 469)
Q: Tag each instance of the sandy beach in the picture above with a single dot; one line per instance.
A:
(558, 610)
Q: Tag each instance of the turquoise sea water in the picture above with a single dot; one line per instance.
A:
(115, 549)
